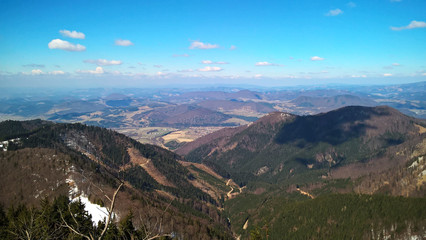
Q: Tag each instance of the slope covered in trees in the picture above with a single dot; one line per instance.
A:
(283, 159)
(293, 149)
(337, 216)
(52, 160)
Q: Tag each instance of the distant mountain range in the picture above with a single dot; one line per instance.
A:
(125, 108)
(330, 103)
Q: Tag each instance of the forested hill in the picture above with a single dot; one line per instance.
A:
(289, 149)
(45, 159)
(302, 175)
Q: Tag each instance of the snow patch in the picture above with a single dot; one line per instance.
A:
(416, 163)
(98, 213)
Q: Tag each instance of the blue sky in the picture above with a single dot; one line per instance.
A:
(160, 42)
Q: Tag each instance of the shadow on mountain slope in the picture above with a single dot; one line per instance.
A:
(334, 127)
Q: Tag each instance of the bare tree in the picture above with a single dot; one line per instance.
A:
(155, 231)
(107, 222)
(151, 232)
(25, 226)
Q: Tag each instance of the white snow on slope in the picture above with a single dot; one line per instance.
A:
(98, 213)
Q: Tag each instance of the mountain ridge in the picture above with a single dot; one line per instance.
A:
(318, 143)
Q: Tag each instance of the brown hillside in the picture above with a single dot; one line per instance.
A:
(225, 133)
(137, 159)
(220, 139)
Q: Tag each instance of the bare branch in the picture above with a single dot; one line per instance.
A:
(28, 235)
(148, 237)
(159, 236)
(110, 211)
(24, 227)
(72, 229)
(162, 215)
(72, 215)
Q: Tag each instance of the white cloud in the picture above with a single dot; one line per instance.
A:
(396, 64)
(103, 62)
(232, 47)
(210, 69)
(351, 4)
(201, 45)
(266, 64)
(387, 74)
(258, 75)
(211, 62)
(67, 46)
(413, 24)
(36, 72)
(359, 76)
(125, 43)
(98, 70)
(334, 12)
(58, 72)
(72, 34)
(316, 58)
(424, 74)
(40, 72)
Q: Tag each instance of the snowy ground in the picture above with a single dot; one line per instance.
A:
(98, 213)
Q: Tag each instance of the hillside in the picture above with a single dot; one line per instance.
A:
(288, 158)
(233, 105)
(183, 116)
(335, 216)
(52, 160)
(290, 149)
